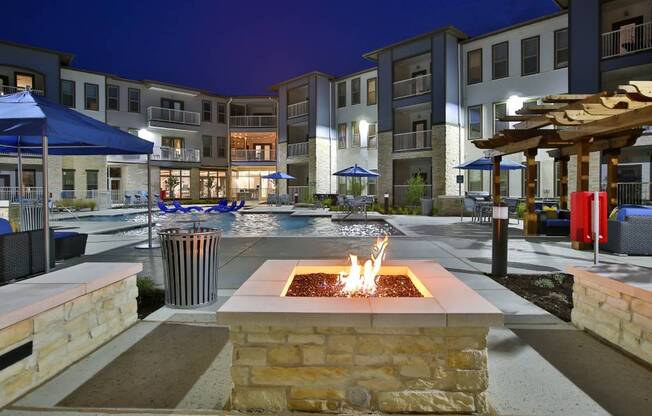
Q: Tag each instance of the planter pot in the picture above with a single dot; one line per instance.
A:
(426, 206)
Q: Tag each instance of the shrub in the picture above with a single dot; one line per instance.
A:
(520, 210)
(416, 190)
(356, 187)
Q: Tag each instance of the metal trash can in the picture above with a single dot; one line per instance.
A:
(190, 265)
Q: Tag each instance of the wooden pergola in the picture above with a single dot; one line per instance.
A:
(573, 124)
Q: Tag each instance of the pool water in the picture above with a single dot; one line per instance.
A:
(261, 225)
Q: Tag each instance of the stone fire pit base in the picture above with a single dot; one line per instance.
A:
(335, 369)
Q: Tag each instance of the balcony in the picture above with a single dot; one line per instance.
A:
(253, 121)
(414, 140)
(298, 109)
(627, 40)
(8, 89)
(246, 155)
(172, 154)
(169, 118)
(412, 86)
(297, 149)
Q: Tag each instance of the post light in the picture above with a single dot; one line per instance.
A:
(363, 125)
(386, 196)
(296, 197)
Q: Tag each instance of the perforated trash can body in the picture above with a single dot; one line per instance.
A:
(190, 263)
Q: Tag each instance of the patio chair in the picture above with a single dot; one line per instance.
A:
(470, 205)
(272, 199)
(222, 207)
(165, 209)
(69, 244)
(186, 210)
(239, 206)
(285, 199)
(22, 253)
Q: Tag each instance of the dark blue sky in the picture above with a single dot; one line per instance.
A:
(241, 46)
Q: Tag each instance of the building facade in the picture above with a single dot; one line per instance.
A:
(413, 114)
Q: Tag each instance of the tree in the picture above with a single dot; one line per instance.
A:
(416, 189)
(172, 182)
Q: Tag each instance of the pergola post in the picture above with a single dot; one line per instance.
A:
(613, 157)
(582, 167)
(495, 181)
(530, 224)
(563, 182)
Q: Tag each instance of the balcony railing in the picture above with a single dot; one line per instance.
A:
(414, 140)
(176, 155)
(169, 115)
(401, 197)
(635, 193)
(8, 89)
(253, 121)
(298, 109)
(253, 155)
(10, 193)
(626, 40)
(304, 193)
(412, 86)
(297, 149)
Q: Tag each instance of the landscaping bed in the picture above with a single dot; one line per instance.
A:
(150, 297)
(552, 292)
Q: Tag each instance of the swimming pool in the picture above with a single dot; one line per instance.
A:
(250, 225)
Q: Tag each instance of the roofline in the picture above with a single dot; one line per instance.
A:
(65, 58)
(253, 97)
(516, 26)
(298, 77)
(562, 3)
(363, 71)
(452, 29)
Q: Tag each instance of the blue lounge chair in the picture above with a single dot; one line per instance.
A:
(240, 206)
(222, 207)
(186, 210)
(164, 209)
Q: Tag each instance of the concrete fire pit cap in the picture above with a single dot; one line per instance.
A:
(447, 301)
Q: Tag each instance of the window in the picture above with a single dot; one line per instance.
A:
(371, 183)
(206, 111)
(68, 93)
(371, 91)
(113, 97)
(133, 95)
(175, 182)
(530, 56)
(475, 180)
(29, 178)
(211, 183)
(355, 91)
(24, 81)
(341, 94)
(207, 146)
(91, 181)
(474, 67)
(221, 113)
(500, 110)
(475, 122)
(561, 48)
(91, 96)
(372, 139)
(221, 146)
(341, 136)
(500, 60)
(355, 134)
(68, 183)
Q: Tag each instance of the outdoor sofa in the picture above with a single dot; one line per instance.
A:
(553, 221)
(630, 231)
(22, 254)
(69, 244)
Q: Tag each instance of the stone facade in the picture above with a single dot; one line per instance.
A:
(281, 160)
(617, 312)
(445, 156)
(385, 165)
(321, 159)
(65, 334)
(341, 369)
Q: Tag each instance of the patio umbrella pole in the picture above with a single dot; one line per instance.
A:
(150, 245)
(20, 184)
(46, 212)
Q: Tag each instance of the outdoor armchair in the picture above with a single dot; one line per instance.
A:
(186, 210)
(22, 254)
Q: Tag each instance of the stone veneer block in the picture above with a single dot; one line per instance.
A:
(615, 303)
(396, 355)
(65, 314)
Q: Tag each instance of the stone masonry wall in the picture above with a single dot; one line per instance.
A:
(621, 319)
(445, 156)
(65, 334)
(328, 369)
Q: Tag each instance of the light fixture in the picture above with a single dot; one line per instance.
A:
(146, 134)
(363, 125)
(514, 103)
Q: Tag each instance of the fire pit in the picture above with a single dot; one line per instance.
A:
(409, 338)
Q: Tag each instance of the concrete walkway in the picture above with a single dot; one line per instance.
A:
(539, 365)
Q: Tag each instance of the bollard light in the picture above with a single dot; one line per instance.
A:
(296, 197)
(386, 196)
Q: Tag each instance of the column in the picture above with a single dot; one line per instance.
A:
(530, 225)
(613, 157)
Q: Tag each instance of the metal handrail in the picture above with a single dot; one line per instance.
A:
(627, 40)
(253, 155)
(253, 121)
(413, 140)
(171, 115)
(412, 86)
(298, 109)
(297, 149)
(176, 154)
(10, 89)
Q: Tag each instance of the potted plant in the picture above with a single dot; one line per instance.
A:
(172, 182)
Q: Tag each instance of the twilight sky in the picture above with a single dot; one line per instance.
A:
(240, 47)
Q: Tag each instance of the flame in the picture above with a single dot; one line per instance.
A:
(361, 280)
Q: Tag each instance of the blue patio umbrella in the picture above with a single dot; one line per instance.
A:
(356, 171)
(486, 163)
(36, 125)
(276, 176)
